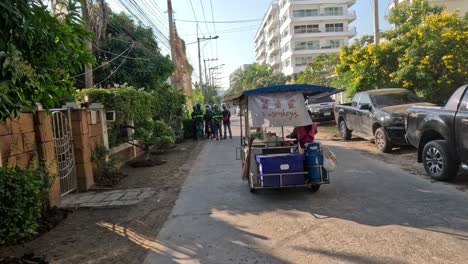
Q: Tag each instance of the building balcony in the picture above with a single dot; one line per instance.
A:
(327, 32)
(290, 3)
(273, 35)
(272, 23)
(320, 50)
(260, 54)
(272, 49)
(349, 16)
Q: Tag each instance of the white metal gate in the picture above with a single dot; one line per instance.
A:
(61, 122)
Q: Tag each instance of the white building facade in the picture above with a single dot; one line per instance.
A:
(294, 32)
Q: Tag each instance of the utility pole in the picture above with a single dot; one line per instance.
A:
(200, 86)
(172, 39)
(199, 57)
(204, 61)
(89, 45)
(376, 22)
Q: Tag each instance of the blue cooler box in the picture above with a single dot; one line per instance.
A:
(280, 163)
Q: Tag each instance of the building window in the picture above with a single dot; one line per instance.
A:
(333, 11)
(306, 29)
(307, 45)
(338, 27)
(303, 61)
(285, 48)
(305, 13)
(336, 43)
(285, 33)
(287, 63)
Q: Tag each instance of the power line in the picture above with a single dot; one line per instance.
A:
(204, 16)
(232, 30)
(107, 62)
(113, 72)
(193, 10)
(145, 16)
(130, 34)
(214, 25)
(220, 22)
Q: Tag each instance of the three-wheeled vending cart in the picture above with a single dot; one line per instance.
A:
(269, 158)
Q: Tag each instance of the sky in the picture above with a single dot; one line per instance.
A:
(235, 45)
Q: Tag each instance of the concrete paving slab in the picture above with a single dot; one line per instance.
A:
(123, 203)
(112, 198)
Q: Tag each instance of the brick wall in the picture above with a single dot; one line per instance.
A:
(87, 135)
(26, 140)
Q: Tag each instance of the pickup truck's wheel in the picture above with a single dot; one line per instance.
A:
(381, 141)
(344, 131)
(438, 161)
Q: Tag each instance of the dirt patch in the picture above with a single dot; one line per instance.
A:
(52, 218)
(118, 235)
(151, 162)
(403, 157)
(26, 259)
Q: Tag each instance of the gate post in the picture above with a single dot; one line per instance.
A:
(81, 144)
(46, 151)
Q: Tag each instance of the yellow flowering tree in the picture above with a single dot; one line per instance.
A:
(425, 52)
(434, 60)
(365, 66)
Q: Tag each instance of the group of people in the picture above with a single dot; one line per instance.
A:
(209, 124)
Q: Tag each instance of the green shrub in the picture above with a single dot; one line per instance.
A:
(21, 194)
(127, 102)
(188, 128)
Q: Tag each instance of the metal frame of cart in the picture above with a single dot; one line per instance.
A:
(248, 147)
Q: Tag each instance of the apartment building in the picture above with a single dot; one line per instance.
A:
(293, 32)
(450, 5)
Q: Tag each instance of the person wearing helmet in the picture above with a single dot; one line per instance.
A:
(217, 118)
(197, 119)
(226, 121)
(208, 117)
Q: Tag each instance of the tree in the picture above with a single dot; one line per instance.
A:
(256, 75)
(150, 134)
(425, 53)
(320, 71)
(433, 58)
(129, 53)
(366, 67)
(38, 54)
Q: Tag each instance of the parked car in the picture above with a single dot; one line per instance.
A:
(321, 108)
(441, 135)
(377, 115)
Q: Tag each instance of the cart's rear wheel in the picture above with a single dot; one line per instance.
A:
(252, 190)
(314, 188)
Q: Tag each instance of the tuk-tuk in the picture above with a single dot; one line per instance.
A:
(269, 158)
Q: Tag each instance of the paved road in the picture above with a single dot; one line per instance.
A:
(370, 213)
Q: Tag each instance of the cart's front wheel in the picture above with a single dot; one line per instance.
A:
(314, 188)
(252, 190)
